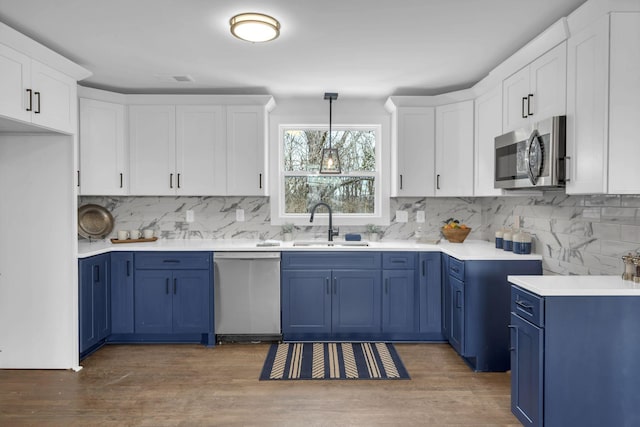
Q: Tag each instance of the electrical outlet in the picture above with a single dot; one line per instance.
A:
(516, 221)
(402, 216)
(189, 217)
(420, 216)
(240, 215)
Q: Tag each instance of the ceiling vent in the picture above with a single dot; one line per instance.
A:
(169, 78)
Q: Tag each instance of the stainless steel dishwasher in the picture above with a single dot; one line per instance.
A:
(247, 296)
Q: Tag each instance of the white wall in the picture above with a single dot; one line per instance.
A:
(38, 269)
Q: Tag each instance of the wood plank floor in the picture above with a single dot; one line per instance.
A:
(157, 385)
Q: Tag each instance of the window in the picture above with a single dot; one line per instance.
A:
(354, 195)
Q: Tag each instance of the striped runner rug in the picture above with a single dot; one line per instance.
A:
(333, 361)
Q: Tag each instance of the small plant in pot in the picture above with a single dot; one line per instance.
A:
(455, 232)
(287, 231)
(374, 232)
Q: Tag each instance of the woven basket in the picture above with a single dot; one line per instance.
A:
(456, 235)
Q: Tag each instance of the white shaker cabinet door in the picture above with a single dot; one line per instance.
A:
(516, 90)
(587, 111)
(103, 155)
(152, 148)
(549, 84)
(54, 99)
(454, 150)
(624, 104)
(200, 150)
(15, 69)
(488, 125)
(246, 131)
(416, 152)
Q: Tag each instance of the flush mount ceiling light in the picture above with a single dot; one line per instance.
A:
(254, 27)
(330, 163)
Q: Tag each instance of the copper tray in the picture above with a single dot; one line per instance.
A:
(94, 222)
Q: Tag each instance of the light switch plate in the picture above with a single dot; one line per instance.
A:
(240, 215)
(516, 221)
(420, 216)
(189, 217)
(402, 216)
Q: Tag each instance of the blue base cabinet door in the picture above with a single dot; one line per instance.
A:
(457, 337)
(122, 293)
(306, 301)
(356, 302)
(153, 301)
(398, 300)
(526, 371)
(190, 301)
(430, 294)
(94, 297)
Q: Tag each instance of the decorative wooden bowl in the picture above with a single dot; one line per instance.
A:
(456, 235)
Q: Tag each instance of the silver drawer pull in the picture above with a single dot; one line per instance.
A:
(524, 305)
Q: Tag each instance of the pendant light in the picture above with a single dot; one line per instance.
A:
(330, 163)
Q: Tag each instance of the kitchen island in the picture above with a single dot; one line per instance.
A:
(575, 346)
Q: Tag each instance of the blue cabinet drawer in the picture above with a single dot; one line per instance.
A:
(172, 260)
(398, 260)
(456, 268)
(527, 305)
(334, 260)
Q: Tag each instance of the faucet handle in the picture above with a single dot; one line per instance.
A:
(335, 231)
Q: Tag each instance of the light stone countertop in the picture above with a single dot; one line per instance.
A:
(469, 250)
(576, 285)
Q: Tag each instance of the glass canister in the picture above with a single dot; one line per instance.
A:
(507, 240)
(499, 238)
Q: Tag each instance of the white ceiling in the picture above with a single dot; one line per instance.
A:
(359, 48)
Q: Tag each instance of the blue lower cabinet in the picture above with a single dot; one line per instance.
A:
(170, 300)
(398, 299)
(430, 296)
(153, 301)
(94, 297)
(122, 293)
(306, 301)
(477, 315)
(457, 332)
(526, 371)
(356, 302)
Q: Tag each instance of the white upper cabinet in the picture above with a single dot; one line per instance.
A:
(537, 91)
(152, 148)
(624, 104)
(454, 149)
(177, 150)
(200, 150)
(103, 150)
(246, 157)
(34, 93)
(602, 107)
(488, 125)
(15, 69)
(415, 152)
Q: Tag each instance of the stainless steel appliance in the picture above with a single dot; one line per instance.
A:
(533, 157)
(247, 296)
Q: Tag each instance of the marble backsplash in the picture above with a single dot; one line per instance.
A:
(574, 234)
(215, 217)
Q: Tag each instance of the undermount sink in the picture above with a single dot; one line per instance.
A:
(328, 244)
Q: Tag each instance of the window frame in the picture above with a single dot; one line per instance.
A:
(380, 215)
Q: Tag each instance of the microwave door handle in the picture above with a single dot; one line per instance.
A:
(533, 178)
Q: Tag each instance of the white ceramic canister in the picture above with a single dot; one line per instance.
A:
(499, 238)
(507, 240)
(522, 243)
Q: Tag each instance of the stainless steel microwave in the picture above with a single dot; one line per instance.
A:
(533, 157)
